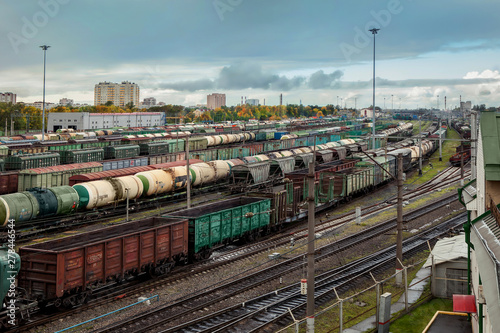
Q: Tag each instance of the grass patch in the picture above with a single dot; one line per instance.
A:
(448, 150)
(362, 306)
(418, 319)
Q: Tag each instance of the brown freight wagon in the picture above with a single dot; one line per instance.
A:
(65, 270)
(9, 182)
(335, 166)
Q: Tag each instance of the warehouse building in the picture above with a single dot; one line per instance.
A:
(89, 121)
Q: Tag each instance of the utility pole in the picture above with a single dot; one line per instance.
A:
(420, 143)
(310, 249)
(127, 189)
(462, 163)
(399, 237)
(473, 140)
(440, 147)
(188, 174)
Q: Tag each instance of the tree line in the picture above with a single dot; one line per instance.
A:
(29, 118)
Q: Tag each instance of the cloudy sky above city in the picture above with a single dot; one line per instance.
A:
(314, 51)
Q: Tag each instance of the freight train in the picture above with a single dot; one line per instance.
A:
(166, 178)
(68, 271)
(38, 172)
(463, 151)
(82, 264)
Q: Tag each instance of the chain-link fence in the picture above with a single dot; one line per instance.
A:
(362, 304)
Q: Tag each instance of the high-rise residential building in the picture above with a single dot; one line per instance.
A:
(215, 101)
(8, 97)
(119, 93)
(66, 101)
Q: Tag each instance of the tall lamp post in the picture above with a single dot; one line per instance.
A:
(44, 48)
(374, 32)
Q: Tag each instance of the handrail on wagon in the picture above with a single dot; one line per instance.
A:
(107, 314)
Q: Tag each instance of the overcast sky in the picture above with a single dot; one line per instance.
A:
(314, 51)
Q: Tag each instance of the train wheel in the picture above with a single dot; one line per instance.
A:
(58, 302)
(206, 254)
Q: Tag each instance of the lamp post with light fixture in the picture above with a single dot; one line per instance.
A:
(44, 48)
(374, 32)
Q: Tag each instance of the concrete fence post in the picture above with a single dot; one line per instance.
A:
(385, 313)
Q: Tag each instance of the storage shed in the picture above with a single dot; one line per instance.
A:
(449, 267)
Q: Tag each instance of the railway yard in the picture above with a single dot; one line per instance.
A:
(234, 261)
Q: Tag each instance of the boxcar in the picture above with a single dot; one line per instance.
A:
(64, 270)
(198, 143)
(9, 182)
(223, 222)
(205, 155)
(154, 148)
(28, 161)
(123, 151)
(54, 176)
(124, 163)
(82, 155)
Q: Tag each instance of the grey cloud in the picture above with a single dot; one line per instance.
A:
(485, 92)
(241, 76)
(283, 83)
(320, 80)
(202, 84)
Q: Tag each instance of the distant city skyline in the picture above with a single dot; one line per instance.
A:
(316, 52)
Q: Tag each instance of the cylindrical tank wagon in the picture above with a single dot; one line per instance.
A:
(27, 205)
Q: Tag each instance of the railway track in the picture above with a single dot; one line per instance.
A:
(265, 313)
(226, 257)
(218, 261)
(172, 313)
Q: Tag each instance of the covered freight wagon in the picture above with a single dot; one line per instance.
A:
(123, 151)
(223, 222)
(28, 161)
(81, 155)
(64, 270)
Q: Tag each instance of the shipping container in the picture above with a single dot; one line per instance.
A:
(62, 268)
(223, 222)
